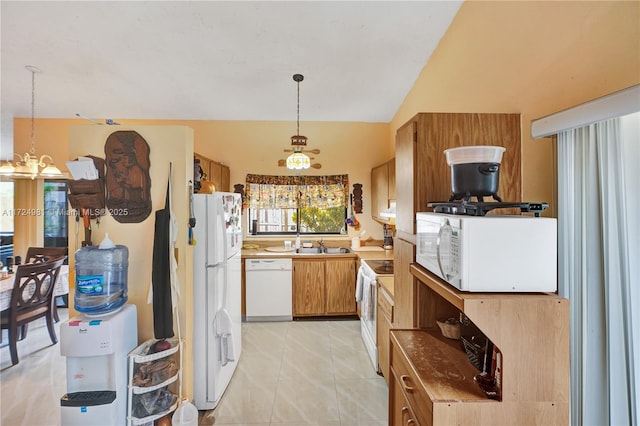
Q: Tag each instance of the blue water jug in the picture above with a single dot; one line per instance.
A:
(101, 278)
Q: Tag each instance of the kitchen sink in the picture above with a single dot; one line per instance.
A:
(325, 250)
(309, 250)
(337, 250)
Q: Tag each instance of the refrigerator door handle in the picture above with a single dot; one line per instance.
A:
(225, 243)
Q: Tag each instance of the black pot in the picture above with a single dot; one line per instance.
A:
(474, 180)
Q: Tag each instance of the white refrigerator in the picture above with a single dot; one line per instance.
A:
(217, 318)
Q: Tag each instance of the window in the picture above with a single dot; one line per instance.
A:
(6, 221)
(284, 205)
(55, 217)
(55, 214)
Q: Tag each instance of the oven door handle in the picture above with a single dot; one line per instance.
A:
(445, 223)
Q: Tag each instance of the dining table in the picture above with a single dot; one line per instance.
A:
(6, 286)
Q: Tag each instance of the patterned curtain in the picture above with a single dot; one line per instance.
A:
(285, 192)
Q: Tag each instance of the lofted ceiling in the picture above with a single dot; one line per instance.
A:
(216, 60)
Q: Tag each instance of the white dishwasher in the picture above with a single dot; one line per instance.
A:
(269, 293)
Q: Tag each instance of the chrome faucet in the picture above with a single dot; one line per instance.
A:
(321, 246)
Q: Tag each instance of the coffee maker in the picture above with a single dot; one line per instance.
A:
(387, 242)
(96, 348)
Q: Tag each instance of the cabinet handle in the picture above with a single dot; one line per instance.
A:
(411, 422)
(405, 410)
(406, 379)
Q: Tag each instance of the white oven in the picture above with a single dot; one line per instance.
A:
(367, 296)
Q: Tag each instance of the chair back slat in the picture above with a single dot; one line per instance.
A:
(44, 254)
(34, 284)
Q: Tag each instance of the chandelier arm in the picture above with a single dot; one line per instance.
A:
(41, 163)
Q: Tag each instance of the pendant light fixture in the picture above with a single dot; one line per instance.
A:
(28, 165)
(298, 160)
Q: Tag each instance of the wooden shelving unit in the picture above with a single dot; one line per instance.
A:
(532, 333)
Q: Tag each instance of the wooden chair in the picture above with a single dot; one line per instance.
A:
(43, 254)
(31, 298)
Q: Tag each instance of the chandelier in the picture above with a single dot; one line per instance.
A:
(298, 160)
(29, 165)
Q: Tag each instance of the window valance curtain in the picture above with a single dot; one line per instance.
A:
(285, 192)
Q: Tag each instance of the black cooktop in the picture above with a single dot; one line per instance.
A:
(482, 208)
(381, 267)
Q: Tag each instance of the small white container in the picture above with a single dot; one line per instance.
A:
(355, 243)
(474, 154)
(185, 415)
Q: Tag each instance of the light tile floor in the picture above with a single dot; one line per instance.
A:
(302, 373)
(290, 373)
(30, 391)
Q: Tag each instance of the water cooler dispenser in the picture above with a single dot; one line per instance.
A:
(96, 348)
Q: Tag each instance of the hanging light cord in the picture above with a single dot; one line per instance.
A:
(298, 128)
(33, 110)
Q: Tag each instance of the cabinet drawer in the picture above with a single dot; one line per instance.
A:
(402, 414)
(385, 303)
(413, 390)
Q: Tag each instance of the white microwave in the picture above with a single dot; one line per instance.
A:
(489, 253)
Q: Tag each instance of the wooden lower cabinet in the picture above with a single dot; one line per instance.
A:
(401, 413)
(308, 287)
(324, 287)
(340, 285)
(436, 379)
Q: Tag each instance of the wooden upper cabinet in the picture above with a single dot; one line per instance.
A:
(422, 173)
(215, 172)
(405, 176)
(383, 182)
(392, 178)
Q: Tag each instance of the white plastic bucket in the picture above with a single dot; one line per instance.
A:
(474, 154)
(185, 415)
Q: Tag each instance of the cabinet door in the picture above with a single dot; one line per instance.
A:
(405, 182)
(308, 287)
(216, 175)
(205, 164)
(340, 281)
(392, 178)
(404, 297)
(379, 190)
(225, 178)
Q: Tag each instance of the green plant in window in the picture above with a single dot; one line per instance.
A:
(327, 220)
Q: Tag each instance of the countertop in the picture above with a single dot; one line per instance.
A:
(363, 253)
